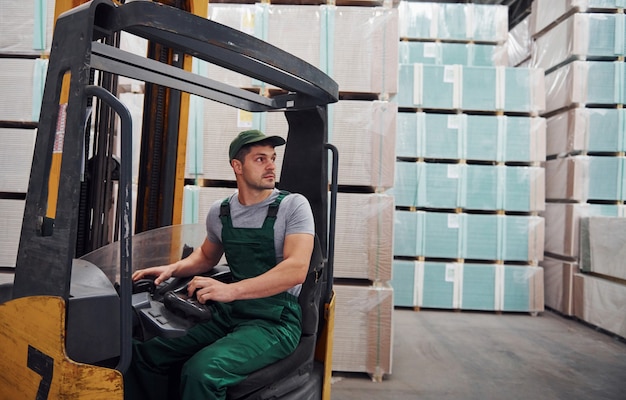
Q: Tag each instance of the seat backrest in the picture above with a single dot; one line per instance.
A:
(311, 292)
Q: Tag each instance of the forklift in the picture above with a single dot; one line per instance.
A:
(68, 319)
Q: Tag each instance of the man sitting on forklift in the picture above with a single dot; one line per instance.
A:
(267, 236)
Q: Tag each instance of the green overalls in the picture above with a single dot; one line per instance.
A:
(242, 337)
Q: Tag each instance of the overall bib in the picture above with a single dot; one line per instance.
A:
(242, 337)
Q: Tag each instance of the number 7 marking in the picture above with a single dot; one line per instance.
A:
(44, 366)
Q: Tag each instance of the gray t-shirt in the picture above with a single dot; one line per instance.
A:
(294, 216)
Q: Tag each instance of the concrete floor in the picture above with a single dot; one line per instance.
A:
(469, 355)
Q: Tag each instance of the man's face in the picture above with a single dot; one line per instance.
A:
(259, 167)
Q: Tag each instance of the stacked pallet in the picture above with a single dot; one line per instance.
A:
(25, 39)
(581, 47)
(601, 289)
(358, 47)
(469, 185)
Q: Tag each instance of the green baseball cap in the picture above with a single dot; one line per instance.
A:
(249, 137)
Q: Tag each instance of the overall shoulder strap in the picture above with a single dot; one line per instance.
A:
(273, 208)
(225, 207)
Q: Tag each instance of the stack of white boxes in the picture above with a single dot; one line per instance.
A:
(469, 184)
(581, 46)
(358, 47)
(25, 40)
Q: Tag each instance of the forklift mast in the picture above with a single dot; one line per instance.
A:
(81, 45)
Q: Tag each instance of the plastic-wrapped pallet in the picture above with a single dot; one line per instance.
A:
(283, 25)
(469, 186)
(545, 13)
(461, 22)
(364, 55)
(577, 83)
(583, 178)
(21, 84)
(558, 277)
(457, 87)
(247, 18)
(26, 26)
(364, 237)
(600, 302)
(363, 333)
(602, 249)
(488, 237)
(468, 286)
(197, 201)
(11, 214)
(563, 225)
(134, 103)
(587, 130)
(364, 133)
(471, 137)
(356, 46)
(16, 155)
(214, 127)
(442, 53)
(581, 36)
(135, 45)
(522, 288)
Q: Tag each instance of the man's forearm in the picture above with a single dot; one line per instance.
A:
(201, 260)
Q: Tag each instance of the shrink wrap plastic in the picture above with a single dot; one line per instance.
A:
(197, 201)
(212, 127)
(356, 46)
(26, 26)
(363, 335)
(16, 156)
(364, 133)
(461, 22)
(21, 82)
(12, 212)
(364, 237)
(519, 43)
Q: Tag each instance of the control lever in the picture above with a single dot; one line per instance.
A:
(180, 303)
(143, 285)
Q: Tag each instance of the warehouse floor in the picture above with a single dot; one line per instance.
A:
(471, 355)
